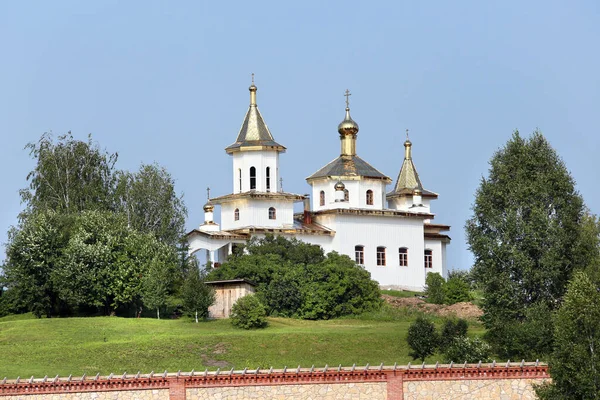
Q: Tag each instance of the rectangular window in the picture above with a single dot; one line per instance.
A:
(428, 259)
(403, 256)
(381, 256)
(359, 254)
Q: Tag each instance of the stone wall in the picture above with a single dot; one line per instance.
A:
(487, 381)
(367, 391)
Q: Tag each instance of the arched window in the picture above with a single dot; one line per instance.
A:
(236, 214)
(322, 198)
(359, 254)
(252, 178)
(240, 178)
(268, 173)
(369, 197)
(381, 255)
(428, 259)
(272, 213)
(346, 195)
(403, 255)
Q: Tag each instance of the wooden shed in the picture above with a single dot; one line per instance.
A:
(226, 294)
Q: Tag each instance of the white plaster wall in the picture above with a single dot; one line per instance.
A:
(438, 255)
(357, 191)
(260, 160)
(405, 204)
(374, 231)
(255, 212)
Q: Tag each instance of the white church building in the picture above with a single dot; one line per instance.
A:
(390, 234)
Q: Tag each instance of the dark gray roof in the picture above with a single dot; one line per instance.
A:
(348, 166)
(254, 132)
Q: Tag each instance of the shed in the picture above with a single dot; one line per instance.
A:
(226, 294)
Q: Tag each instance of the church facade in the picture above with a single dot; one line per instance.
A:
(391, 234)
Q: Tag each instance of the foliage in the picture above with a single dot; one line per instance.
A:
(434, 288)
(575, 362)
(197, 296)
(452, 329)
(422, 338)
(156, 282)
(296, 279)
(456, 290)
(465, 349)
(248, 313)
(526, 238)
(149, 201)
(70, 175)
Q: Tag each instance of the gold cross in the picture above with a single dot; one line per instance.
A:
(253, 78)
(406, 133)
(208, 193)
(348, 94)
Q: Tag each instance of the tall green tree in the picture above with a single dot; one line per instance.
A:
(575, 362)
(197, 296)
(69, 176)
(526, 238)
(150, 203)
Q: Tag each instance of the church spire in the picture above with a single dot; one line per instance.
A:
(408, 178)
(254, 134)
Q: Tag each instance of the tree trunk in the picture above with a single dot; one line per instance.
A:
(157, 312)
(196, 316)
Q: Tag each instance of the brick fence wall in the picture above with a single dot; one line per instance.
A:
(487, 381)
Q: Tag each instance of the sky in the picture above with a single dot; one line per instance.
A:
(167, 82)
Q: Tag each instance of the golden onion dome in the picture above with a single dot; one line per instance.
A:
(348, 126)
(209, 207)
(339, 186)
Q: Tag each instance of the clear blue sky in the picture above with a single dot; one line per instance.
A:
(167, 82)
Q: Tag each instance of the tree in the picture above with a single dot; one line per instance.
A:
(33, 253)
(155, 286)
(295, 279)
(575, 361)
(197, 296)
(526, 238)
(70, 175)
(456, 290)
(434, 288)
(452, 328)
(422, 338)
(248, 313)
(149, 201)
(465, 349)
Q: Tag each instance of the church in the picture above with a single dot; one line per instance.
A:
(390, 234)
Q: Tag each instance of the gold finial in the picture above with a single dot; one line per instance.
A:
(347, 94)
(253, 90)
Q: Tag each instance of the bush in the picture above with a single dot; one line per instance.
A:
(457, 290)
(463, 349)
(452, 329)
(434, 288)
(422, 338)
(248, 313)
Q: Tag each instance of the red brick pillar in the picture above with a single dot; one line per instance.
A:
(176, 389)
(395, 386)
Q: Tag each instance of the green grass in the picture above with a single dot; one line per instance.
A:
(64, 346)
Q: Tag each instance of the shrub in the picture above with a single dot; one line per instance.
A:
(248, 313)
(434, 288)
(466, 349)
(456, 290)
(422, 338)
(452, 329)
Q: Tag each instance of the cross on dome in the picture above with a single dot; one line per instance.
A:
(347, 94)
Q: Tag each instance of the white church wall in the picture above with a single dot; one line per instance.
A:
(438, 256)
(357, 191)
(374, 231)
(256, 213)
(243, 161)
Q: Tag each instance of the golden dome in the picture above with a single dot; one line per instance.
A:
(209, 207)
(348, 126)
(339, 186)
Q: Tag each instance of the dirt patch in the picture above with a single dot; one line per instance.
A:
(220, 348)
(460, 310)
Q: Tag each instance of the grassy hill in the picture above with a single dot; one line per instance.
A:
(39, 347)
